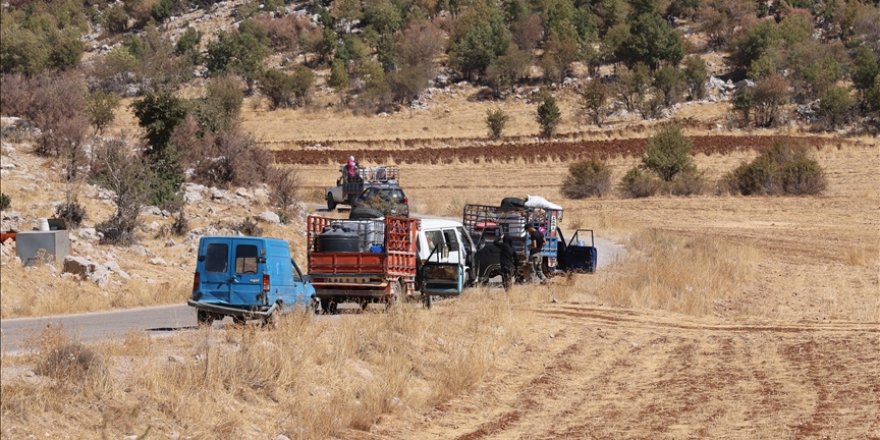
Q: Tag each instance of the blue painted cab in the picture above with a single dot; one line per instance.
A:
(247, 278)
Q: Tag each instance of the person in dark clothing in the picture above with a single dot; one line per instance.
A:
(536, 256)
(507, 260)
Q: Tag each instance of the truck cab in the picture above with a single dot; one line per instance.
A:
(247, 278)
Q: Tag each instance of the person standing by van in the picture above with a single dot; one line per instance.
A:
(507, 260)
(536, 256)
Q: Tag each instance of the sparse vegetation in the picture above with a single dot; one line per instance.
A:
(588, 178)
(495, 121)
(5, 201)
(638, 183)
(117, 168)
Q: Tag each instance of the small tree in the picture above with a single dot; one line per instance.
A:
(284, 187)
(508, 69)
(835, 106)
(221, 106)
(594, 98)
(668, 82)
(303, 81)
(338, 76)
(695, 75)
(637, 183)
(277, 86)
(588, 178)
(101, 108)
(496, 120)
(126, 174)
(668, 153)
(632, 85)
(770, 95)
(743, 102)
(548, 116)
(5, 201)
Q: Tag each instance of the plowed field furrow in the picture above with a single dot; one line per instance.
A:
(605, 316)
(625, 374)
(536, 152)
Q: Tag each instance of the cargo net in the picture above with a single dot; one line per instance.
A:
(379, 174)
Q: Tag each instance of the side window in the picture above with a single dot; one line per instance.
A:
(451, 239)
(434, 238)
(464, 239)
(297, 275)
(246, 259)
(217, 258)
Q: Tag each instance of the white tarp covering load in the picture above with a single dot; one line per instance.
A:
(540, 202)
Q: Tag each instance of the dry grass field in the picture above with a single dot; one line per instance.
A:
(730, 317)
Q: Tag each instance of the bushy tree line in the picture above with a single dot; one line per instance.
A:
(384, 53)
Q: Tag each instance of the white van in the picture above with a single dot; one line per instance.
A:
(446, 253)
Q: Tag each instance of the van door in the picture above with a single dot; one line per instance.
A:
(216, 271)
(443, 274)
(248, 261)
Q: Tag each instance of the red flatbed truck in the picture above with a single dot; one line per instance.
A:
(386, 275)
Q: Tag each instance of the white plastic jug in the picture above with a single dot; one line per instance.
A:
(44, 224)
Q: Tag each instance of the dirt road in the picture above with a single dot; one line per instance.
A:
(620, 374)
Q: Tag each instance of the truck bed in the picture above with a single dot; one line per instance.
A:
(397, 260)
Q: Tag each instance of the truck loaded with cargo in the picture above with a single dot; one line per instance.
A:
(386, 260)
(512, 217)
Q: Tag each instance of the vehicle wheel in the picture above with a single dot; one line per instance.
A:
(331, 202)
(204, 318)
(274, 319)
(396, 295)
(328, 307)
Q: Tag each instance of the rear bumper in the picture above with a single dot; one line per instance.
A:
(232, 311)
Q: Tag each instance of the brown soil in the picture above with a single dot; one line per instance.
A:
(537, 152)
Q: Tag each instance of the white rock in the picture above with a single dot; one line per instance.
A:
(156, 261)
(139, 249)
(269, 217)
(241, 192)
(192, 197)
(151, 210)
(218, 194)
(175, 359)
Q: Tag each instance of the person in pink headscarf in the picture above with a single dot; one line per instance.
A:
(351, 168)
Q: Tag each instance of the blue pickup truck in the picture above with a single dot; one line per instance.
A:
(247, 278)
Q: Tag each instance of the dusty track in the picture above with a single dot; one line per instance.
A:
(621, 374)
(541, 151)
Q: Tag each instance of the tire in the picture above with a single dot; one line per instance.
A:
(331, 202)
(328, 307)
(364, 213)
(396, 295)
(204, 318)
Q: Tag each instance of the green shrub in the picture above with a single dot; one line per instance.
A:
(690, 182)
(495, 121)
(638, 183)
(548, 116)
(101, 107)
(784, 169)
(588, 178)
(804, 177)
(668, 153)
(5, 201)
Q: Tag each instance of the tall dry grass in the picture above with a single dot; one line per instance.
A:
(310, 378)
(691, 275)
